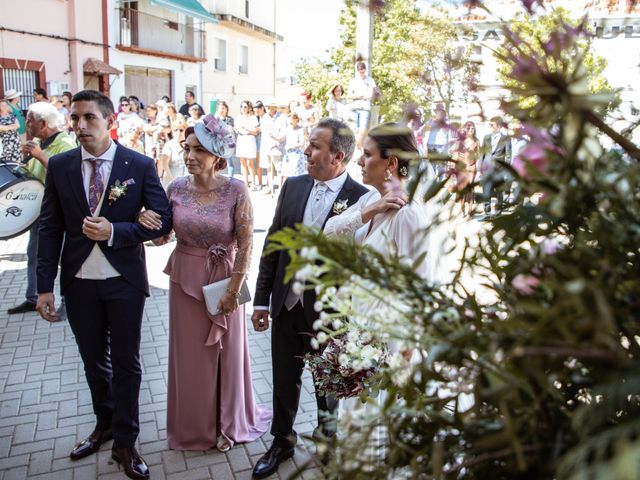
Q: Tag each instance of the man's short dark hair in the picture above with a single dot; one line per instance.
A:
(342, 138)
(497, 120)
(104, 103)
(361, 65)
(189, 93)
(40, 91)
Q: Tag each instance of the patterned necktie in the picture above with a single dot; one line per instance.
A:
(317, 205)
(96, 184)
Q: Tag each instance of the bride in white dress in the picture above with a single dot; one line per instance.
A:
(384, 220)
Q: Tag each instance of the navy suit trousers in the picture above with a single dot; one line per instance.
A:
(105, 317)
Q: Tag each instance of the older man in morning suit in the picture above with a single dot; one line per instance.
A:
(306, 199)
(92, 197)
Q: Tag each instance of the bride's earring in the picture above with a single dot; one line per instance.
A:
(387, 175)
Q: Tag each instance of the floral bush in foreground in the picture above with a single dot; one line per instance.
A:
(532, 369)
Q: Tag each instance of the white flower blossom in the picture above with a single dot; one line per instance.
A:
(309, 253)
(317, 306)
(324, 316)
(297, 288)
(322, 337)
(314, 344)
(317, 325)
(337, 324)
(305, 272)
(343, 359)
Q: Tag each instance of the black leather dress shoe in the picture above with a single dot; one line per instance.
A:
(270, 461)
(91, 444)
(133, 464)
(25, 306)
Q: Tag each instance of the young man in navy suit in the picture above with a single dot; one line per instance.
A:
(310, 200)
(93, 195)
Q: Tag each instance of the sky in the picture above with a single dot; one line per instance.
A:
(309, 28)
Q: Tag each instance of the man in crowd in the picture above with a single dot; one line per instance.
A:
(103, 272)
(272, 128)
(496, 149)
(46, 140)
(360, 93)
(306, 199)
(190, 100)
(439, 137)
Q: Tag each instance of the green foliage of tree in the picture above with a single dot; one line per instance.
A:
(416, 58)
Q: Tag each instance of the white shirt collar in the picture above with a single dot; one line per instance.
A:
(335, 184)
(108, 155)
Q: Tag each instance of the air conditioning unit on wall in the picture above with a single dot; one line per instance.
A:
(56, 88)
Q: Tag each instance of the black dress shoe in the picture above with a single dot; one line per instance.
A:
(25, 306)
(133, 464)
(271, 460)
(91, 444)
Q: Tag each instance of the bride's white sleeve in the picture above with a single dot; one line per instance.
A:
(346, 224)
(409, 234)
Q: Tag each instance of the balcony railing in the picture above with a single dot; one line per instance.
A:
(151, 33)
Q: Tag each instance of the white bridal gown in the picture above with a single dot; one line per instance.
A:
(395, 233)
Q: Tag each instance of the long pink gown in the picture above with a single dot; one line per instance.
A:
(210, 389)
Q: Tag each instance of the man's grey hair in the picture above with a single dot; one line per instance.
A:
(342, 138)
(45, 111)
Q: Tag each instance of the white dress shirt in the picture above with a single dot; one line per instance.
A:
(96, 266)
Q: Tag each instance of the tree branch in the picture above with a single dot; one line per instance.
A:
(627, 145)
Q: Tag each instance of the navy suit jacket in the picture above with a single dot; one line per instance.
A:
(289, 212)
(65, 206)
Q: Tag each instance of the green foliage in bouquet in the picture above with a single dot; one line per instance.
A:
(525, 362)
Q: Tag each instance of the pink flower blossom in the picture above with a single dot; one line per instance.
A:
(525, 284)
(533, 154)
(550, 247)
(528, 4)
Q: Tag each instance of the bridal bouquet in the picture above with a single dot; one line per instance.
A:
(347, 363)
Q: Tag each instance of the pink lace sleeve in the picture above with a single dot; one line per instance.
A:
(243, 230)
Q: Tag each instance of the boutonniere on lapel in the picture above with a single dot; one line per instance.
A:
(119, 189)
(340, 206)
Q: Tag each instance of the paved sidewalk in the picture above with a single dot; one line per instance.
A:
(45, 405)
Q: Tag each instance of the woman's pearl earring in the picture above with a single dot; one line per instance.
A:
(387, 176)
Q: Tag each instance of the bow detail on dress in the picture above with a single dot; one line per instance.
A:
(216, 254)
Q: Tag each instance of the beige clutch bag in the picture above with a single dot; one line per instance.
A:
(214, 291)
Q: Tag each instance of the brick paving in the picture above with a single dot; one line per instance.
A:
(45, 405)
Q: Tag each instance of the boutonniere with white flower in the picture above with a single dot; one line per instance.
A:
(119, 189)
(340, 206)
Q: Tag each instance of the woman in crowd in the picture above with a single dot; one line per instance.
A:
(308, 113)
(261, 163)
(222, 112)
(171, 162)
(194, 115)
(466, 153)
(210, 399)
(247, 128)
(127, 121)
(294, 163)
(9, 137)
(336, 107)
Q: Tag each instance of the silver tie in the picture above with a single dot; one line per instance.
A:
(317, 205)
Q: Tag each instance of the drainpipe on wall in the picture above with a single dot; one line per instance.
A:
(104, 79)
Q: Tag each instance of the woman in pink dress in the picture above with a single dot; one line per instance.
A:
(210, 396)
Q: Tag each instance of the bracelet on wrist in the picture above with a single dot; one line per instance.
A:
(235, 295)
